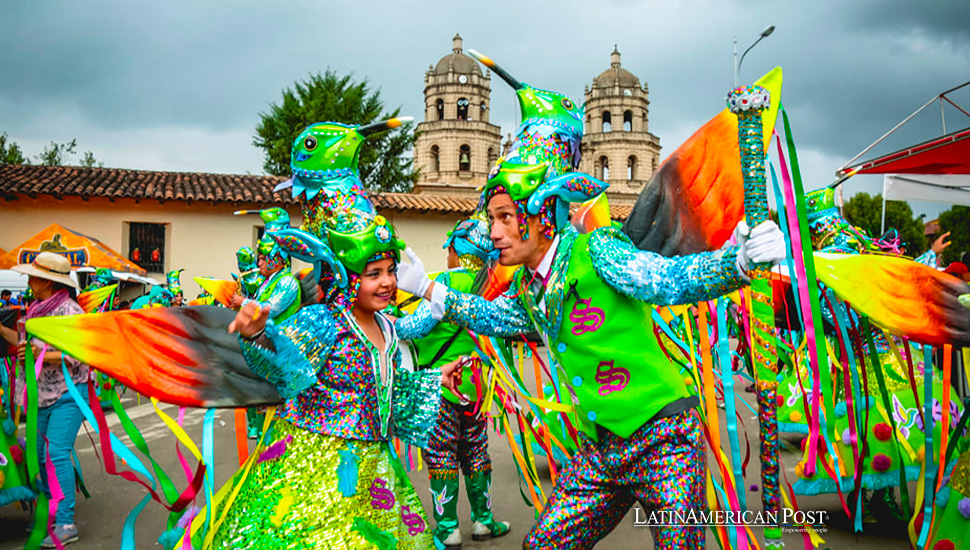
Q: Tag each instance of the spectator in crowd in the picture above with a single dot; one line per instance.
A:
(58, 415)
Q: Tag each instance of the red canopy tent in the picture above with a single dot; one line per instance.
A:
(949, 154)
(937, 170)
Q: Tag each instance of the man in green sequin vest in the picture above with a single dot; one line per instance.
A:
(460, 440)
(591, 297)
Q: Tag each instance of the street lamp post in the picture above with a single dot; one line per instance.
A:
(737, 64)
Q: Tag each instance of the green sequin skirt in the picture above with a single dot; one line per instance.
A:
(321, 491)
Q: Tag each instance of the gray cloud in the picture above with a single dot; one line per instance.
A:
(128, 78)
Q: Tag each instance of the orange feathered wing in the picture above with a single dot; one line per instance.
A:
(902, 296)
(696, 198)
(180, 355)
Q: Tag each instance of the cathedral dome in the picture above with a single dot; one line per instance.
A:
(616, 75)
(457, 61)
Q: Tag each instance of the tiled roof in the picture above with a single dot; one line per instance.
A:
(425, 202)
(117, 183)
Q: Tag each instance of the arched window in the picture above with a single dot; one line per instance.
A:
(492, 157)
(464, 158)
(441, 109)
(603, 168)
(627, 121)
(607, 122)
(631, 168)
(462, 109)
(435, 159)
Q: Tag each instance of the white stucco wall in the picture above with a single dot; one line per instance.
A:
(201, 237)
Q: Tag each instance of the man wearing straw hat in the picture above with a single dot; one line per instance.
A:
(58, 415)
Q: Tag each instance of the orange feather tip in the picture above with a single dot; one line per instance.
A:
(902, 296)
(220, 289)
(592, 214)
(91, 300)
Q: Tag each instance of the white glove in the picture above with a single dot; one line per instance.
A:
(411, 277)
(764, 244)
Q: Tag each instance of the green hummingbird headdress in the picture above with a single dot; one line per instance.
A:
(530, 188)
(249, 276)
(340, 227)
(174, 280)
(274, 219)
(552, 124)
(547, 148)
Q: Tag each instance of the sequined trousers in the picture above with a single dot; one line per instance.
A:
(460, 440)
(661, 466)
(313, 491)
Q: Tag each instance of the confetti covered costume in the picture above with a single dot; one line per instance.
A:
(639, 442)
(326, 477)
(591, 298)
(887, 451)
(280, 291)
(953, 506)
(173, 280)
(460, 440)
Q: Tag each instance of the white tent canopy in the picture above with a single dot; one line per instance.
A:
(949, 189)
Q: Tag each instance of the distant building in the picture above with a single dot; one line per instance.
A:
(456, 144)
(171, 220)
(617, 144)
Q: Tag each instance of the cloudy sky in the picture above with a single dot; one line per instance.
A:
(179, 85)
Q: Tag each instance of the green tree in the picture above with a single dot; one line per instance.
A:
(88, 161)
(328, 97)
(56, 153)
(865, 211)
(10, 152)
(956, 220)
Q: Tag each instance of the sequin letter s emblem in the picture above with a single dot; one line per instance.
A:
(586, 319)
(611, 378)
(381, 497)
(413, 521)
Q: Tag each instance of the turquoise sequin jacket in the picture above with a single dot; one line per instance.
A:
(329, 374)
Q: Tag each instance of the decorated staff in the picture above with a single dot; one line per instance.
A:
(747, 103)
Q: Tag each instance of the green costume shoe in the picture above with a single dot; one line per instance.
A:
(445, 495)
(254, 421)
(479, 489)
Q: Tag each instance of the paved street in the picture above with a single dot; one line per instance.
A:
(100, 518)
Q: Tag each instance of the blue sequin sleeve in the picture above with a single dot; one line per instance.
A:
(417, 325)
(502, 317)
(420, 323)
(298, 346)
(417, 398)
(659, 280)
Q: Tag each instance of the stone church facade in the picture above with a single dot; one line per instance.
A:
(457, 145)
(617, 144)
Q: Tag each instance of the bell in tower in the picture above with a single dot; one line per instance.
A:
(456, 144)
(617, 144)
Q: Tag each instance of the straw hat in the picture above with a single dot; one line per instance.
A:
(50, 266)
